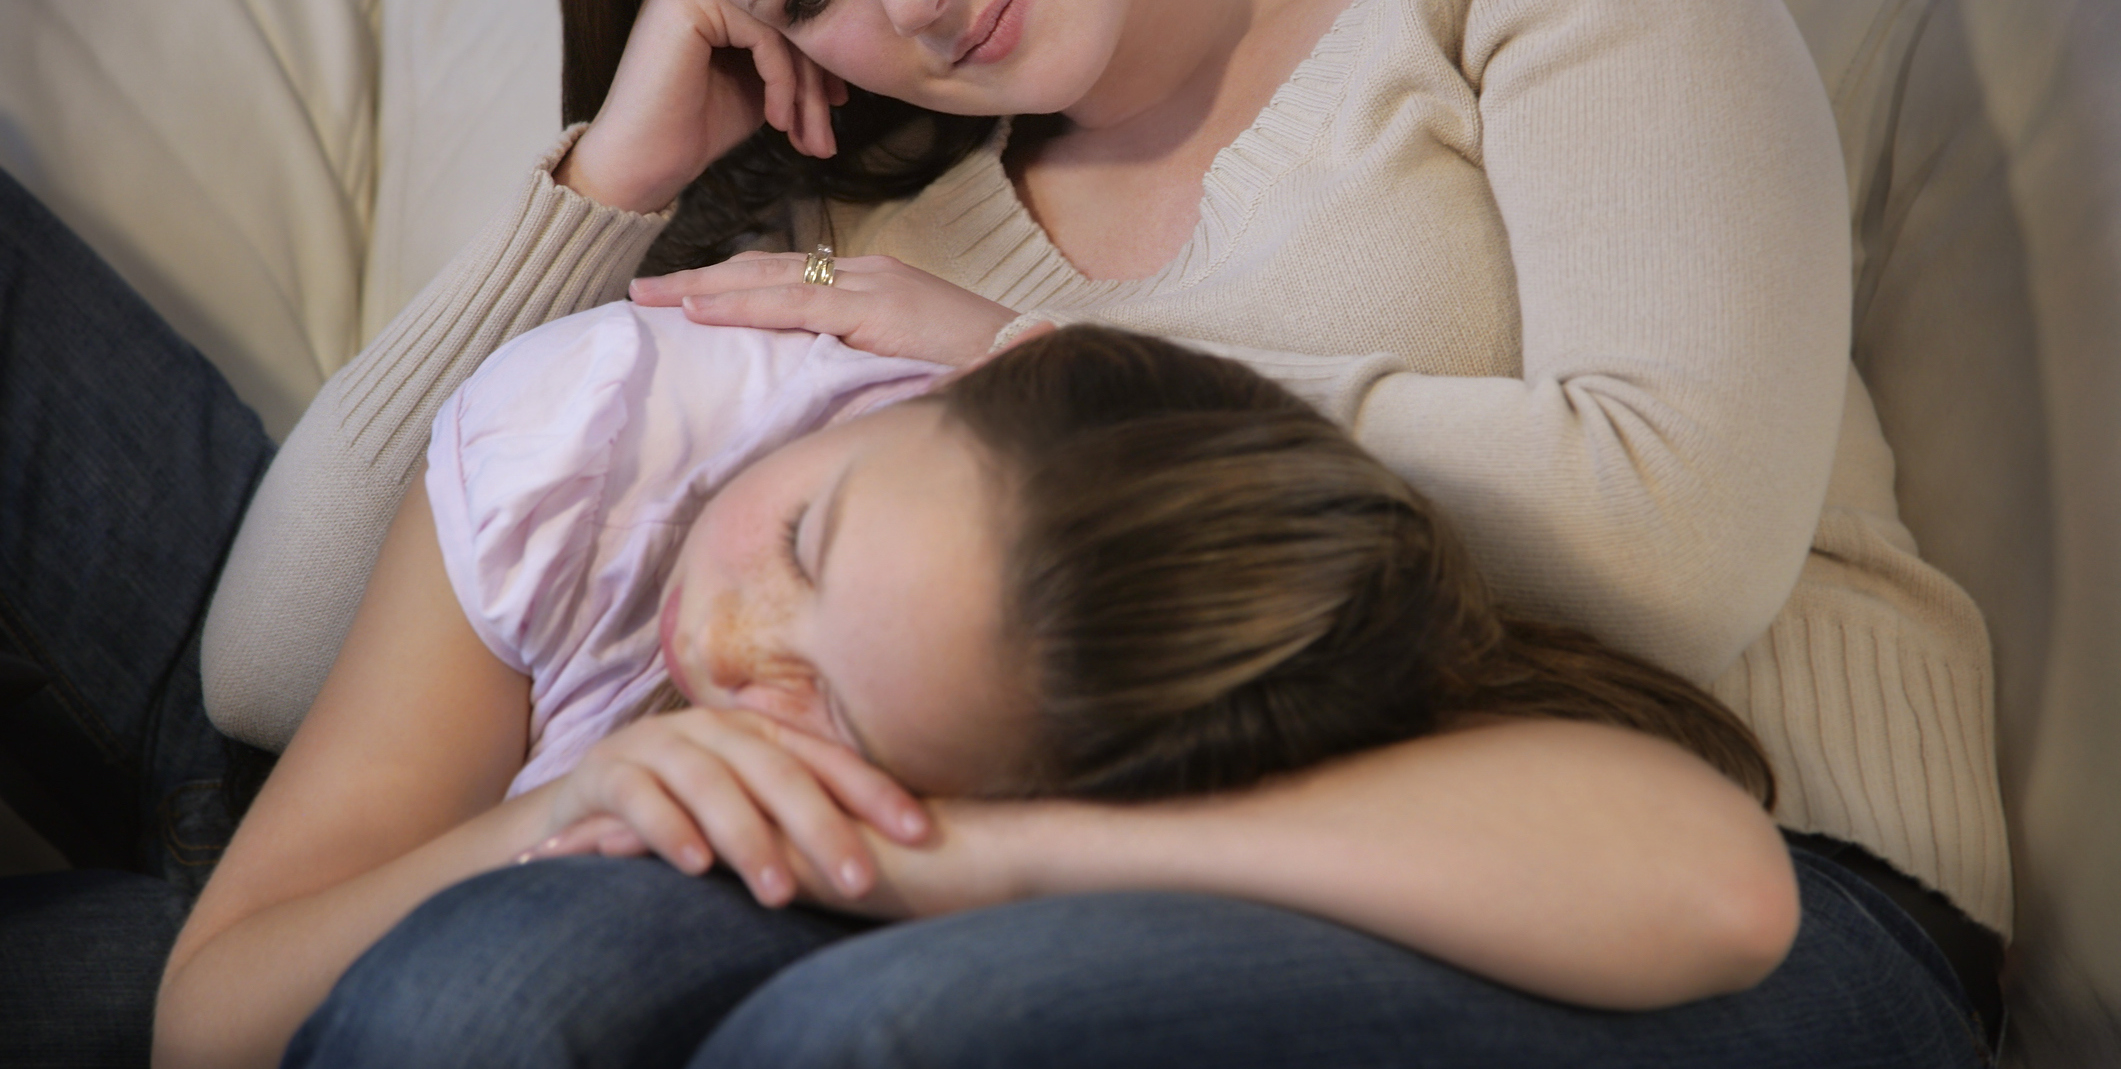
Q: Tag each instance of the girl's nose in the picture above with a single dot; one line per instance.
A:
(913, 17)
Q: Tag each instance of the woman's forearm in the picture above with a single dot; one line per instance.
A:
(238, 997)
(1581, 863)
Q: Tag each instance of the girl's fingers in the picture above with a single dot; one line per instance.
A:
(705, 783)
(860, 788)
(835, 89)
(790, 795)
(636, 796)
(621, 841)
(577, 838)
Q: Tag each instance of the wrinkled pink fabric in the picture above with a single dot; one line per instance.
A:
(564, 474)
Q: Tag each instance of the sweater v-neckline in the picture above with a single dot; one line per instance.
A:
(1241, 174)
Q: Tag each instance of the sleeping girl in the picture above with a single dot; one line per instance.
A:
(1106, 567)
(1098, 566)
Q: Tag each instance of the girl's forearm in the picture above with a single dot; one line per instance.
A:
(237, 999)
(1580, 863)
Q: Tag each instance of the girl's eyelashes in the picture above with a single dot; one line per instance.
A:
(791, 531)
(799, 11)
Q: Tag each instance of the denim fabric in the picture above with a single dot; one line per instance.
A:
(81, 956)
(125, 464)
(582, 962)
(599, 962)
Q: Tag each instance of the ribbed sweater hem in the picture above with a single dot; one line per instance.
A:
(1880, 728)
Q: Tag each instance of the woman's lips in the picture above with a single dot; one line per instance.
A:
(996, 33)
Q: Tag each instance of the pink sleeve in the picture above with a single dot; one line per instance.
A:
(516, 476)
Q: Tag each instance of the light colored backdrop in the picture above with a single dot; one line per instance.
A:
(279, 176)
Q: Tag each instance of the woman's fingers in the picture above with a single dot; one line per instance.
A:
(776, 64)
(745, 270)
(876, 303)
(814, 102)
(842, 313)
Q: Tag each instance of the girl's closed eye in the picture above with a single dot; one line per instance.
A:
(791, 534)
(799, 11)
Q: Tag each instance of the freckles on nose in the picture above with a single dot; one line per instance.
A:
(738, 649)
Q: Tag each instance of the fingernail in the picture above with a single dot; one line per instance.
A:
(772, 885)
(851, 876)
(550, 844)
(912, 823)
(526, 857)
(691, 859)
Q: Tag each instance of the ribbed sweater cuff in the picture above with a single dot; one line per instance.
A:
(552, 252)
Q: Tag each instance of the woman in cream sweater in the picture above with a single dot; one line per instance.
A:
(1578, 272)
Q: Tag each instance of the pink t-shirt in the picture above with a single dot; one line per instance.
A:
(565, 473)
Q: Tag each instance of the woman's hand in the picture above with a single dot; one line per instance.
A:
(875, 303)
(686, 93)
(768, 800)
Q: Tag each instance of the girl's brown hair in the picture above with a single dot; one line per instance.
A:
(1215, 584)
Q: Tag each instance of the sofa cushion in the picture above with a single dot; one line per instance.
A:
(220, 154)
(470, 95)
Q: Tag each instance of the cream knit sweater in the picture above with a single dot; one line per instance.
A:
(1578, 271)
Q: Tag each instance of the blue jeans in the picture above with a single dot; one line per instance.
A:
(125, 465)
(597, 962)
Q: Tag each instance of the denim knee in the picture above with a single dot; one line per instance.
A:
(1125, 980)
(1107, 980)
(574, 962)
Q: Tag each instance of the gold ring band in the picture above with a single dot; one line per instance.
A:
(818, 268)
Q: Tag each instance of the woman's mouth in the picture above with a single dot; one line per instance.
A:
(994, 36)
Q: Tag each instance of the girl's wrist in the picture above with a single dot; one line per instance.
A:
(1040, 848)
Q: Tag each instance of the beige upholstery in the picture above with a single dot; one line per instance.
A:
(229, 156)
(277, 177)
(470, 94)
(220, 154)
(1984, 150)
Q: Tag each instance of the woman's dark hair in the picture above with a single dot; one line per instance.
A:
(1215, 584)
(887, 149)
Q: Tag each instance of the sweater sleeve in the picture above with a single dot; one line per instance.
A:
(300, 563)
(1670, 181)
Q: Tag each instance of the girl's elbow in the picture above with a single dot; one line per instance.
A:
(1754, 928)
(1733, 943)
(1744, 925)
